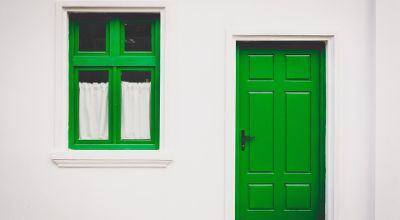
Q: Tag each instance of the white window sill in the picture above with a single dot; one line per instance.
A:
(111, 159)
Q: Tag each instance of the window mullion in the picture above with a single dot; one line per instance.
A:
(116, 81)
(114, 37)
(114, 43)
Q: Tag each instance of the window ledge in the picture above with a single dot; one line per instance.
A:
(110, 159)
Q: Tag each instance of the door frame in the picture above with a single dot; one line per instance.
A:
(232, 37)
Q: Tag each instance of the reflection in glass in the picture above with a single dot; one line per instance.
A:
(137, 37)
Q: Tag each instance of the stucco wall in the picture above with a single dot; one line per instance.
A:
(387, 109)
(32, 187)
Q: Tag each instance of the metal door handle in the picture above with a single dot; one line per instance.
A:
(244, 138)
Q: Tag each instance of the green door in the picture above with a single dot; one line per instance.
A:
(280, 162)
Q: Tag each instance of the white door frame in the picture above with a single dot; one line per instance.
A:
(230, 112)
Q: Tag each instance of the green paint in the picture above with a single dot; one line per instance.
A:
(261, 116)
(114, 60)
(298, 66)
(261, 67)
(298, 196)
(265, 202)
(281, 101)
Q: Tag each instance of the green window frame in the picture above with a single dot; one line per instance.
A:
(114, 59)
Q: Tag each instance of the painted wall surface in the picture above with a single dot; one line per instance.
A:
(32, 187)
(387, 110)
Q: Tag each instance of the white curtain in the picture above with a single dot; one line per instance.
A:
(135, 110)
(93, 111)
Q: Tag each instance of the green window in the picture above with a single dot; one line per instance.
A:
(114, 81)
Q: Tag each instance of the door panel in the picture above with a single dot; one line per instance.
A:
(261, 125)
(280, 101)
(298, 132)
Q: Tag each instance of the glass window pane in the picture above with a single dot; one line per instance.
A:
(135, 105)
(136, 76)
(93, 76)
(92, 35)
(93, 105)
(137, 36)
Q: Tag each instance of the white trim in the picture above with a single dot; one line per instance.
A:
(65, 157)
(111, 158)
(93, 162)
(230, 115)
(108, 163)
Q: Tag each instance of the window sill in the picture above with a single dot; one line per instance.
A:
(111, 159)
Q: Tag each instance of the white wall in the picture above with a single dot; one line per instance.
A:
(31, 187)
(388, 110)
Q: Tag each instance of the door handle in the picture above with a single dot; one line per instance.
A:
(244, 138)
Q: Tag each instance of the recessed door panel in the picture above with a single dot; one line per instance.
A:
(298, 66)
(298, 133)
(261, 67)
(261, 125)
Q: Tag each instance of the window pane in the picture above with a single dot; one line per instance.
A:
(93, 105)
(135, 105)
(92, 35)
(93, 76)
(136, 76)
(137, 37)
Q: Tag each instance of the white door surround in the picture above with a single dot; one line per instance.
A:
(230, 112)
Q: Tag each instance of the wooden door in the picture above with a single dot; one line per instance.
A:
(280, 166)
